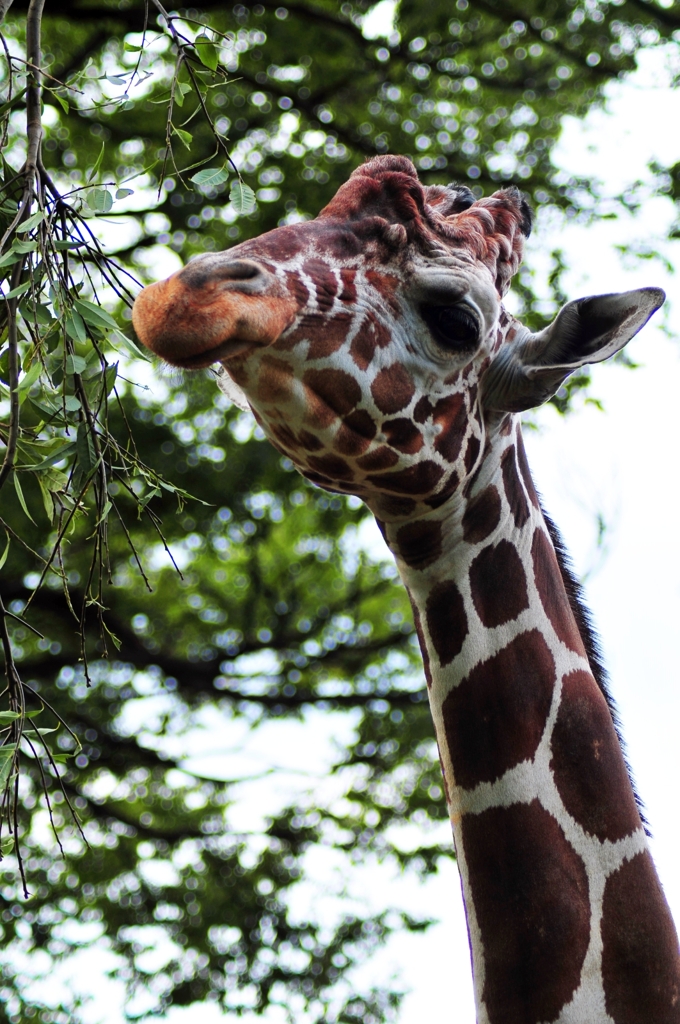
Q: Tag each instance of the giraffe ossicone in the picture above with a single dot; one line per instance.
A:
(373, 348)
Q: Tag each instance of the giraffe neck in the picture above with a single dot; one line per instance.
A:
(566, 918)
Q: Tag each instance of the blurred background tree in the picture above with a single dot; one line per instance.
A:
(167, 578)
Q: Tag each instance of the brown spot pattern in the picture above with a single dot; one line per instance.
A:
(392, 389)
(297, 288)
(390, 505)
(587, 762)
(325, 282)
(552, 593)
(640, 959)
(310, 442)
(403, 435)
(514, 491)
(423, 409)
(329, 336)
(362, 349)
(420, 543)
(355, 434)
(446, 620)
(380, 458)
(317, 478)
(482, 515)
(274, 380)
(285, 436)
(371, 335)
(450, 414)
(331, 466)
(498, 584)
(530, 892)
(348, 292)
(380, 334)
(303, 332)
(385, 285)
(495, 718)
(330, 391)
(418, 479)
(436, 500)
(471, 453)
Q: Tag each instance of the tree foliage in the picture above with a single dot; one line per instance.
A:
(163, 570)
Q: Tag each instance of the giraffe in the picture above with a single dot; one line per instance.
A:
(374, 350)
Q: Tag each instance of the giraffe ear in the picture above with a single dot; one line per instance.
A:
(529, 371)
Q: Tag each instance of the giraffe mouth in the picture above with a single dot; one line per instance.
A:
(203, 315)
(225, 350)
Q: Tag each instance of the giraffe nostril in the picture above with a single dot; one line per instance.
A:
(237, 275)
(238, 270)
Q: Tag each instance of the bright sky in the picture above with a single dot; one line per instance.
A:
(620, 464)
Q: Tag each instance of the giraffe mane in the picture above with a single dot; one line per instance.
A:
(591, 642)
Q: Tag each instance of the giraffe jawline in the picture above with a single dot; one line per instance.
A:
(225, 350)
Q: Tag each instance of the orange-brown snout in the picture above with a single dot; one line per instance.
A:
(212, 309)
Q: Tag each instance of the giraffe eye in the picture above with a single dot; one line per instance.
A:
(454, 327)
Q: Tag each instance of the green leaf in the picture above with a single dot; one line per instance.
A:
(8, 716)
(119, 340)
(181, 89)
(121, 193)
(75, 328)
(38, 313)
(14, 102)
(64, 244)
(94, 315)
(110, 376)
(186, 137)
(86, 456)
(3, 559)
(27, 245)
(6, 762)
(208, 54)
(115, 79)
(62, 101)
(114, 639)
(20, 496)
(242, 197)
(75, 364)
(30, 378)
(19, 290)
(211, 177)
(46, 495)
(99, 200)
(32, 222)
(61, 453)
(108, 505)
(8, 259)
(97, 164)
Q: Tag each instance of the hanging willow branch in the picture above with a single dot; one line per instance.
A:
(56, 349)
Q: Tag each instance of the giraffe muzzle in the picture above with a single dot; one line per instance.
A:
(211, 310)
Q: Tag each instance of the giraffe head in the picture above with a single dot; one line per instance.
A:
(371, 343)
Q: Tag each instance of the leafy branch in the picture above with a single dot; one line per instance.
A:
(58, 384)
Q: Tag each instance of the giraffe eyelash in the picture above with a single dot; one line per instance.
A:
(455, 328)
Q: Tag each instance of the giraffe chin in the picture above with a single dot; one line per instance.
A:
(218, 354)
